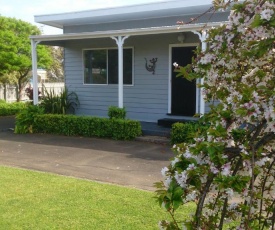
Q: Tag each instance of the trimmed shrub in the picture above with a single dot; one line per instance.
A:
(71, 125)
(26, 118)
(9, 109)
(125, 129)
(117, 113)
(185, 132)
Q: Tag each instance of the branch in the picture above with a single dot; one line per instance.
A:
(202, 199)
(238, 165)
(265, 139)
(197, 18)
(263, 189)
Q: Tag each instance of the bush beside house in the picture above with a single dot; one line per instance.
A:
(10, 109)
(33, 121)
(185, 132)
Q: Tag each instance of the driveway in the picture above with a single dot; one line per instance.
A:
(129, 163)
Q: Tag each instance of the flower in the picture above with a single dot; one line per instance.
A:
(181, 179)
(191, 196)
(267, 14)
(229, 192)
(213, 169)
(226, 169)
(262, 161)
(164, 171)
(167, 182)
(191, 167)
(173, 162)
(176, 65)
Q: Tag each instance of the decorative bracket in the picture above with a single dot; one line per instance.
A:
(151, 67)
(202, 36)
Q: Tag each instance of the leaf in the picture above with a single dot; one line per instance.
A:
(257, 21)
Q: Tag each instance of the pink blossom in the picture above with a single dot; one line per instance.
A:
(226, 169)
(267, 14)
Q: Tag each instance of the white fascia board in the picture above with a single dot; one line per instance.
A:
(128, 32)
(130, 12)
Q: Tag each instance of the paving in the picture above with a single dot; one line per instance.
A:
(135, 164)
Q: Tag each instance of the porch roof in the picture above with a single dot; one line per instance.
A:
(125, 13)
(59, 39)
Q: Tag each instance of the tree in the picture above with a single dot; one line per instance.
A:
(15, 55)
(236, 156)
(56, 72)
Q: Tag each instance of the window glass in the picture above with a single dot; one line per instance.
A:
(95, 67)
(97, 63)
(113, 66)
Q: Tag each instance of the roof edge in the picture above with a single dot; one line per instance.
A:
(127, 32)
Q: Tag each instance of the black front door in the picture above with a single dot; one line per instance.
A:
(183, 91)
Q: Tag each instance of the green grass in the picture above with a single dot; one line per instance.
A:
(34, 200)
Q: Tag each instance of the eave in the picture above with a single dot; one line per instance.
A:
(48, 39)
(125, 13)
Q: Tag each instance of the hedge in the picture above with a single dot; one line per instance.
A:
(71, 125)
(116, 112)
(185, 132)
(9, 109)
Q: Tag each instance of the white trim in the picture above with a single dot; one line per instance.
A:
(170, 75)
(107, 48)
(120, 41)
(34, 71)
(125, 32)
(202, 36)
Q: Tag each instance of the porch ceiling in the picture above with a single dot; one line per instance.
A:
(59, 40)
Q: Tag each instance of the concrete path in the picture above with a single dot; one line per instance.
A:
(129, 163)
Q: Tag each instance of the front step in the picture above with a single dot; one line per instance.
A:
(168, 122)
(153, 129)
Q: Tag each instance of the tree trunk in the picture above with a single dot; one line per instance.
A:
(17, 93)
(5, 91)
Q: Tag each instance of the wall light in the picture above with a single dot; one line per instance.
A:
(181, 38)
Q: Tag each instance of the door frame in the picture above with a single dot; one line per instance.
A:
(170, 76)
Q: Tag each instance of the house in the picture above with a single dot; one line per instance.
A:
(124, 56)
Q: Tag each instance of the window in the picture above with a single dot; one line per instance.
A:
(101, 66)
(95, 67)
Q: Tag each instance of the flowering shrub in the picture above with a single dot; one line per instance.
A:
(229, 171)
(29, 92)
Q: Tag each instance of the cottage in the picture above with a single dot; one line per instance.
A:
(124, 56)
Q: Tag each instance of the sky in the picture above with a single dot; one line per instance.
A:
(26, 9)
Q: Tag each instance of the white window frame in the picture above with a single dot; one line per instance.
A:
(108, 48)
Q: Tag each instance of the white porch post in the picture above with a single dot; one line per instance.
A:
(34, 71)
(202, 37)
(120, 41)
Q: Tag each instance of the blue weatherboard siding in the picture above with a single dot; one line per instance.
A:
(147, 98)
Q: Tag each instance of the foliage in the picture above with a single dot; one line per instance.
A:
(59, 202)
(116, 112)
(186, 132)
(8, 109)
(63, 103)
(25, 119)
(34, 121)
(236, 157)
(15, 55)
(56, 71)
(29, 92)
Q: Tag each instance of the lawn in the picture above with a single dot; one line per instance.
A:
(35, 200)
